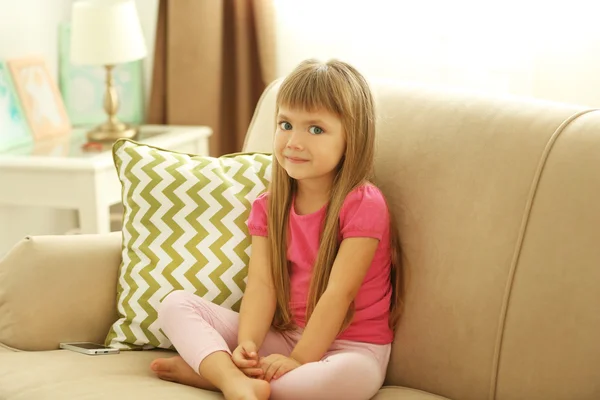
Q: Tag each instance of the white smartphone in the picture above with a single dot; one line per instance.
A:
(92, 349)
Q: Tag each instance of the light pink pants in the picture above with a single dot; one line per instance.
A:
(349, 370)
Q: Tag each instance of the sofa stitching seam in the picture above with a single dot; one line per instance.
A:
(412, 390)
(519, 246)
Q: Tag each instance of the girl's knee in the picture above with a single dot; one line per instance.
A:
(173, 301)
(351, 378)
(174, 298)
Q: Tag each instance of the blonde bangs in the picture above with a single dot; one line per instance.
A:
(311, 87)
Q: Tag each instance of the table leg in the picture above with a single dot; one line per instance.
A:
(94, 219)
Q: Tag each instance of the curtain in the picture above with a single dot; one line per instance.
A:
(212, 61)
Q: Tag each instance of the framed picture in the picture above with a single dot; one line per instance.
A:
(83, 87)
(14, 131)
(41, 101)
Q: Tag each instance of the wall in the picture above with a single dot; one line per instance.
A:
(520, 47)
(30, 27)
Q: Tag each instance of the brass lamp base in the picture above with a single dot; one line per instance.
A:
(108, 132)
(112, 129)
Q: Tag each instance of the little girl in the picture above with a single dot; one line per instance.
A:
(324, 282)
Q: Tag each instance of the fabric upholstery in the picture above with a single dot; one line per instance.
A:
(184, 228)
(262, 128)
(126, 376)
(57, 289)
(64, 374)
(401, 393)
(5, 349)
(551, 336)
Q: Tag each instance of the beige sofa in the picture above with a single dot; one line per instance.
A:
(499, 204)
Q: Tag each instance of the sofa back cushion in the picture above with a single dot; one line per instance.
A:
(503, 267)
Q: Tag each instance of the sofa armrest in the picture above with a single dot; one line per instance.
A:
(57, 289)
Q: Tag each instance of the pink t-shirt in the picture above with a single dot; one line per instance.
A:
(363, 214)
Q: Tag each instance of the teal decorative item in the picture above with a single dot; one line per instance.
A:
(83, 87)
(14, 130)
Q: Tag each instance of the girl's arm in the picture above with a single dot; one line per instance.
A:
(258, 303)
(349, 270)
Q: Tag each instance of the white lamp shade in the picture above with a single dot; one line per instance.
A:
(106, 32)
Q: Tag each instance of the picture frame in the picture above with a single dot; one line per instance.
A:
(40, 98)
(83, 87)
(14, 130)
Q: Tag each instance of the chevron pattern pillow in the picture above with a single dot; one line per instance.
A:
(184, 227)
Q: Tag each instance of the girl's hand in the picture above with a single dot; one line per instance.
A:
(245, 357)
(277, 365)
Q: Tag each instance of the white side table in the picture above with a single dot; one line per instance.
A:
(61, 174)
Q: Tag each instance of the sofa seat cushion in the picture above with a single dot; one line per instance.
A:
(63, 374)
(402, 393)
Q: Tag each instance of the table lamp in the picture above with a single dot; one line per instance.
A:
(107, 33)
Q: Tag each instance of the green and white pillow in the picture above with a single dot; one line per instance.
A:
(184, 227)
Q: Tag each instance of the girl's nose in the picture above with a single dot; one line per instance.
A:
(294, 142)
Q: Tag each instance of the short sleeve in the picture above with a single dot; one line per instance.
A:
(257, 220)
(364, 214)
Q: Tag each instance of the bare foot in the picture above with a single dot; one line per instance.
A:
(175, 369)
(245, 388)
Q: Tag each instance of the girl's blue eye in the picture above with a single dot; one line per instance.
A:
(286, 126)
(315, 130)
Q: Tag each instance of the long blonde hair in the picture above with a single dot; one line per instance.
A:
(340, 89)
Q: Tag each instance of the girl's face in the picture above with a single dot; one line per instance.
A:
(309, 145)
